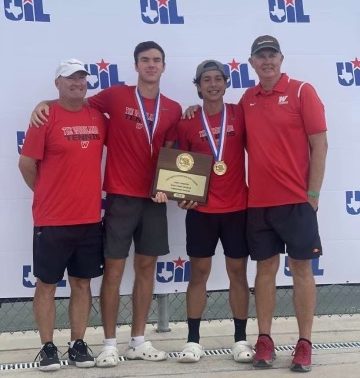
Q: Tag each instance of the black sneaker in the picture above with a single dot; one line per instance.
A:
(48, 357)
(79, 355)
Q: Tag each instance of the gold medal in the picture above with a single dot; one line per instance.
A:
(219, 168)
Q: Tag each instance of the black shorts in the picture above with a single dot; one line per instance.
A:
(203, 231)
(272, 229)
(79, 249)
(134, 218)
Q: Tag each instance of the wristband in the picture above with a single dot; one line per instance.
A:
(313, 194)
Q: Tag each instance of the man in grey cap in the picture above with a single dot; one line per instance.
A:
(217, 130)
(286, 144)
(61, 164)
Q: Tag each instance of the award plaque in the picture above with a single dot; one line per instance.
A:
(183, 175)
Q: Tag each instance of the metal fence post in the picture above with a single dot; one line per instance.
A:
(163, 313)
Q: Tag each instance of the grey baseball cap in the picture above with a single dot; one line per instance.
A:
(265, 42)
(209, 65)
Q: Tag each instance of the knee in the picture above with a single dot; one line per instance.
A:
(45, 290)
(79, 284)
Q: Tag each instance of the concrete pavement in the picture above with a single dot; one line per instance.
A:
(329, 360)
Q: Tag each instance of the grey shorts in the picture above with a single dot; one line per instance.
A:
(134, 218)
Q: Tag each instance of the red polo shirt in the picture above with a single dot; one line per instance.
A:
(278, 124)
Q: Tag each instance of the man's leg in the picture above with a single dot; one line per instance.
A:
(265, 300)
(239, 289)
(196, 295)
(144, 267)
(304, 296)
(265, 292)
(79, 306)
(109, 303)
(239, 303)
(195, 304)
(44, 310)
(109, 295)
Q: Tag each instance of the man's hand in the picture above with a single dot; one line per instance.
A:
(186, 205)
(40, 114)
(160, 197)
(314, 202)
(190, 112)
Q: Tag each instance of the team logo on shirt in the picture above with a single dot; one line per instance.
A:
(238, 74)
(283, 100)
(102, 75)
(349, 72)
(176, 270)
(25, 10)
(134, 115)
(20, 136)
(291, 11)
(353, 202)
(160, 11)
(317, 271)
(29, 280)
(230, 131)
(82, 134)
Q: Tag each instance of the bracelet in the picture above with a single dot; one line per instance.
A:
(313, 194)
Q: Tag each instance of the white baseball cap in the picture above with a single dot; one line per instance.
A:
(68, 67)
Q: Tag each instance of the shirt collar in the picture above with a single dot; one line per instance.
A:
(280, 86)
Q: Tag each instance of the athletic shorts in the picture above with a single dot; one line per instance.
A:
(271, 230)
(204, 230)
(134, 218)
(77, 248)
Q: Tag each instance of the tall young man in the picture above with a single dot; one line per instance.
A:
(286, 143)
(61, 163)
(218, 130)
(141, 121)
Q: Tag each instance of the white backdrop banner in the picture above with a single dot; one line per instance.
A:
(321, 43)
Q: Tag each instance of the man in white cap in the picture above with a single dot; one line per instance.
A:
(61, 164)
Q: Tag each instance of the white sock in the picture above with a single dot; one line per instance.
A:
(72, 342)
(110, 342)
(135, 341)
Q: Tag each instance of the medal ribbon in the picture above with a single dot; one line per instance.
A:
(149, 132)
(219, 150)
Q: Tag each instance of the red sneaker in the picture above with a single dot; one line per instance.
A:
(302, 356)
(264, 352)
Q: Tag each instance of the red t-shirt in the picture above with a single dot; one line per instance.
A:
(278, 124)
(68, 181)
(130, 167)
(227, 193)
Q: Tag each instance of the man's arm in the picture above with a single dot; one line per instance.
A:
(318, 149)
(40, 114)
(28, 169)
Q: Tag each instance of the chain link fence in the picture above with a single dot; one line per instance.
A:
(16, 313)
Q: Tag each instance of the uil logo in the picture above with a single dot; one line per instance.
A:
(238, 74)
(176, 270)
(25, 10)
(353, 202)
(29, 280)
(20, 136)
(349, 72)
(287, 11)
(102, 75)
(160, 11)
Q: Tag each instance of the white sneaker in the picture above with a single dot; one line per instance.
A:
(108, 357)
(192, 352)
(145, 351)
(242, 351)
